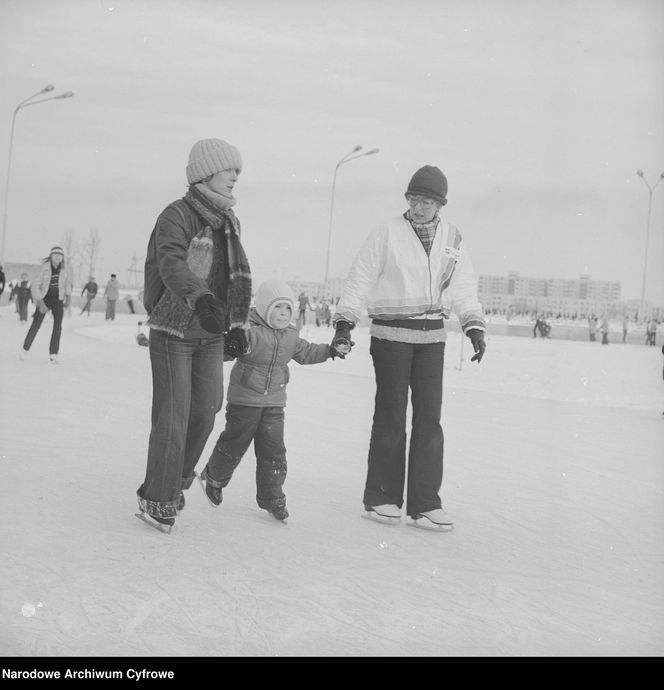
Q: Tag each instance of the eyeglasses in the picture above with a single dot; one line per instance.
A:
(413, 201)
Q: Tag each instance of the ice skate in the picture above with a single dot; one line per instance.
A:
(211, 487)
(160, 516)
(164, 525)
(23, 354)
(387, 513)
(436, 519)
(280, 513)
(54, 359)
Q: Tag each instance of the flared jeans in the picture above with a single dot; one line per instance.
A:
(400, 368)
(187, 393)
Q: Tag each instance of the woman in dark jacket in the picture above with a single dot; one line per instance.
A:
(197, 291)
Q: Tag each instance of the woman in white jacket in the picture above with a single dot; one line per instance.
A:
(51, 292)
(407, 275)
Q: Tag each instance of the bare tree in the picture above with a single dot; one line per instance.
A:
(90, 252)
(70, 246)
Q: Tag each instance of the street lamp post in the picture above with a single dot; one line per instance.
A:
(346, 159)
(651, 189)
(22, 104)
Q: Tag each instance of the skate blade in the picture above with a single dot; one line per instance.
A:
(423, 523)
(375, 517)
(200, 481)
(165, 529)
(274, 519)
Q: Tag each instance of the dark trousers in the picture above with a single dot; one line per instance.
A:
(22, 307)
(87, 305)
(187, 392)
(110, 310)
(400, 367)
(265, 427)
(57, 309)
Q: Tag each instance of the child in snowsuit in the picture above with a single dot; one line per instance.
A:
(256, 399)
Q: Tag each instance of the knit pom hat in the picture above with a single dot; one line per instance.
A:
(269, 294)
(429, 181)
(210, 156)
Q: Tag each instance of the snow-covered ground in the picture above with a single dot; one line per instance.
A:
(554, 474)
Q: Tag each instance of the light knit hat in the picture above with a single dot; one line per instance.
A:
(269, 294)
(56, 250)
(210, 156)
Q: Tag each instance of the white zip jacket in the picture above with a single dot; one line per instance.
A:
(393, 276)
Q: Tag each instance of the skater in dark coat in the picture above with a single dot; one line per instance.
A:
(22, 293)
(197, 289)
(257, 398)
(51, 292)
(90, 290)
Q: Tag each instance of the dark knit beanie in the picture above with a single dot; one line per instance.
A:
(429, 181)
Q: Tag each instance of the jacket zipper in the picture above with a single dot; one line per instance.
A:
(272, 363)
(419, 241)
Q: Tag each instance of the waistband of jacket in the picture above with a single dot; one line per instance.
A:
(413, 324)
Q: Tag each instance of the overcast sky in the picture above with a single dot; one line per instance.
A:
(539, 113)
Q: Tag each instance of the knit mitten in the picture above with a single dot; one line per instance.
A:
(210, 313)
(236, 343)
(341, 343)
(477, 339)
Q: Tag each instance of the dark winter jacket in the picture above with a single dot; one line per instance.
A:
(259, 379)
(22, 292)
(166, 262)
(92, 289)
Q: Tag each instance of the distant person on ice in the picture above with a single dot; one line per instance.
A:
(90, 290)
(303, 305)
(112, 293)
(406, 271)
(22, 293)
(51, 292)
(257, 398)
(604, 329)
(592, 328)
(197, 288)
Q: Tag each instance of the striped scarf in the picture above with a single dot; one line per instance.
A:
(205, 257)
(425, 231)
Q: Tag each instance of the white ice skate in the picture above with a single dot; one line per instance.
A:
(388, 513)
(436, 519)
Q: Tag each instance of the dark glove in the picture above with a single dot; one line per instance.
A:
(341, 342)
(210, 313)
(477, 339)
(235, 343)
